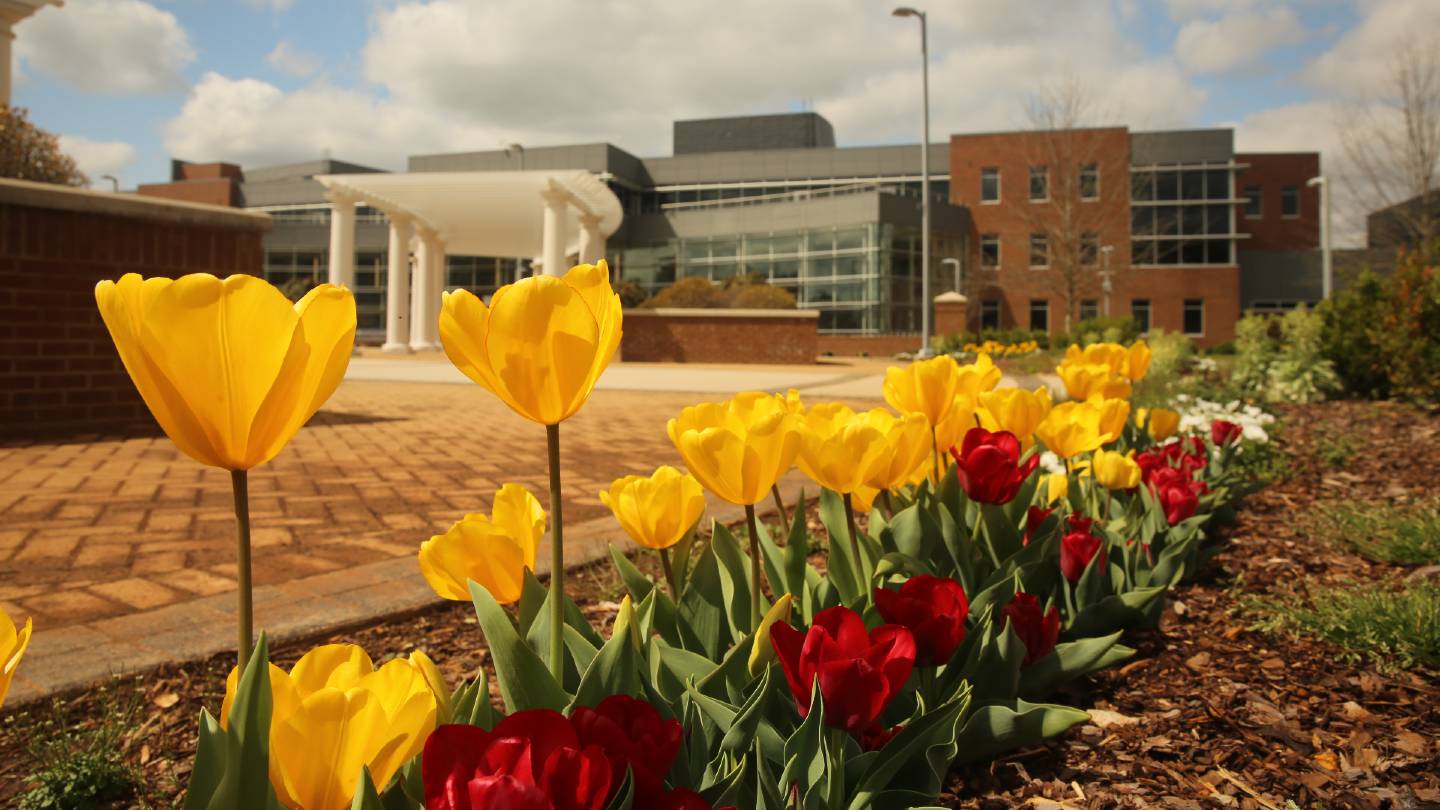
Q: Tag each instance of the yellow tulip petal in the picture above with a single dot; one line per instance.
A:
(542, 341)
(12, 649)
(317, 753)
(519, 512)
(464, 321)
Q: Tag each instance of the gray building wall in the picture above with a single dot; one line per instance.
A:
(840, 210)
(1182, 146)
(293, 184)
(795, 164)
(806, 130)
(600, 158)
(1279, 275)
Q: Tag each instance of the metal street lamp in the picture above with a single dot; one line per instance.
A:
(114, 182)
(926, 303)
(511, 150)
(1327, 280)
(1105, 252)
(955, 262)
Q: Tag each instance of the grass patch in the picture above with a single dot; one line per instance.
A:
(1391, 627)
(1334, 449)
(1264, 462)
(82, 761)
(1408, 534)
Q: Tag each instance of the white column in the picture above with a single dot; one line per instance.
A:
(397, 286)
(553, 249)
(342, 239)
(7, 36)
(420, 289)
(437, 293)
(592, 244)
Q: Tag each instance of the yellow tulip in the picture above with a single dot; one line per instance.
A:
(925, 386)
(1115, 470)
(907, 441)
(541, 344)
(1085, 380)
(862, 500)
(1071, 428)
(1057, 486)
(1137, 361)
(333, 714)
(959, 419)
(12, 647)
(493, 551)
(762, 652)
(444, 707)
(229, 367)
(978, 377)
(1015, 410)
(840, 449)
(793, 402)
(656, 511)
(1110, 355)
(1113, 413)
(1163, 422)
(739, 448)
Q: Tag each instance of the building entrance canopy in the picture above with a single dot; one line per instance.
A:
(550, 215)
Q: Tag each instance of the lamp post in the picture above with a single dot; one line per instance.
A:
(114, 182)
(510, 151)
(955, 262)
(1105, 252)
(1327, 280)
(926, 303)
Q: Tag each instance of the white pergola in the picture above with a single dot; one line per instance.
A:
(12, 12)
(550, 215)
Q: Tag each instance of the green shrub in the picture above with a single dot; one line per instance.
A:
(1115, 329)
(949, 344)
(82, 762)
(1281, 359)
(695, 292)
(1406, 534)
(746, 291)
(760, 296)
(1224, 348)
(631, 294)
(1383, 334)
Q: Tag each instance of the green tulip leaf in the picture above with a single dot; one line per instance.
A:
(734, 570)
(365, 796)
(616, 669)
(993, 730)
(1124, 610)
(844, 571)
(636, 582)
(211, 754)
(1071, 660)
(525, 682)
(807, 759)
(921, 754)
(246, 781)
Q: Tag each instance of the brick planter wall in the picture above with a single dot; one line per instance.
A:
(869, 345)
(59, 372)
(720, 336)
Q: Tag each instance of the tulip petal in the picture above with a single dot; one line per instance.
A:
(336, 666)
(542, 342)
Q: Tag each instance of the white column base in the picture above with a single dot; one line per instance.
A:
(396, 348)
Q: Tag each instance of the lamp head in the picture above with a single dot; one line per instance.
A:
(905, 11)
(1316, 181)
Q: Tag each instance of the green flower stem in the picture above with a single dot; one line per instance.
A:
(935, 451)
(669, 574)
(835, 779)
(557, 559)
(754, 530)
(240, 485)
(780, 505)
(855, 545)
(888, 502)
(977, 540)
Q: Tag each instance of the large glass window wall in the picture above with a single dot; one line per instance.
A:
(1183, 216)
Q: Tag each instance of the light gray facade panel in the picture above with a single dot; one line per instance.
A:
(300, 171)
(794, 164)
(594, 157)
(1279, 275)
(283, 192)
(1182, 146)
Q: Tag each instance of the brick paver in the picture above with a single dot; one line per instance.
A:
(91, 531)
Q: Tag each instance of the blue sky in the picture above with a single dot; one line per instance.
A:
(268, 81)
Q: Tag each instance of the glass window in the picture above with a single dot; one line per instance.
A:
(1167, 251)
(990, 184)
(1289, 201)
(849, 265)
(1142, 220)
(822, 240)
(1144, 252)
(1089, 248)
(1192, 251)
(1167, 185)
(757, 246)
(1142, 186)
(1192, 219)
(990, 314)
(1039, 250)
(1167, 220)
(821, 268)
(852, 239)
(1192, 185)
(1217, 219)
(1039, 315)
(1140, 311)
(785, 270)
(1090, 182)
(1253, 204)
(990, 250)
(1217, 251)
(696, 251)
(1194, 316)
(1089, 309)
(1217, 184)
(1039, 183)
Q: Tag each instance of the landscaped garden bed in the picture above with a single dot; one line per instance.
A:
(1208, 709)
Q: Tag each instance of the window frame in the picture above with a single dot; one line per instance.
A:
(1043, 174)
(1087, 237)
(1044, 307)
(1044, 240)
(1149, 308)
(1293, 191)
(1093, 169)
(1185, 311)
(1089, 304)
(987, 306)
(984, 239)
(998, 188)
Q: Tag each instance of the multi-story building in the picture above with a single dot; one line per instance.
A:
(1046, 228)
(1171, 228)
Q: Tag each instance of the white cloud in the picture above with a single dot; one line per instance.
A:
(1236, 41)
(467, 74)
(273, 5)
(96, 158)
(287, 58)
(1362, 59)
(116, 47)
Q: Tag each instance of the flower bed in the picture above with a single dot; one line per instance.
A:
(780, 683)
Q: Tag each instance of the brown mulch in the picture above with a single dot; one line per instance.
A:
(1208, 713)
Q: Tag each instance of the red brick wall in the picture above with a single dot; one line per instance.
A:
(1014, 217)
(691, 336)
(1271, 171)
(868, 345)
(59, 372)
(210, 191)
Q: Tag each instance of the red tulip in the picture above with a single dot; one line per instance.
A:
(1223, 432)
(877, 736)
(1077, 522)
(532, 760)
(1034, 518)
(1179, 501)
(1039, 631)
(859, 671)
(933, 609)
(989, 465)
(1077, 549)
(632, 734)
